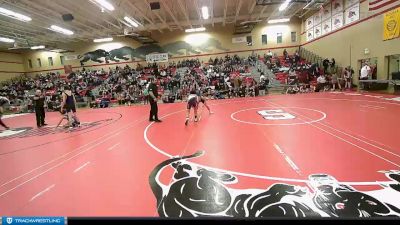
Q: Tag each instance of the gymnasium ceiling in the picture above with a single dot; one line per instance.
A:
(91, 22)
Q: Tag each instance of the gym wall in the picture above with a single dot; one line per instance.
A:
(348, 45)
(11, 65)
(215, 42)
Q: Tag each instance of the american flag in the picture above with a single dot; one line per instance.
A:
(381, 5)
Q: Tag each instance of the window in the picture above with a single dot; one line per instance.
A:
(50, 61)
(39, 62)
(264, 39)
(294, 36)
(62, 60)
(279, 38)
(30, 63)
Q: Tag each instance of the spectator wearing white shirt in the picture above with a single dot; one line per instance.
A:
(365, 73)
(321, 82)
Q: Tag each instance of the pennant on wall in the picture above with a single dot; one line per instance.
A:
(326, 26)
(310, 35)
(337, 21)
(309, 22)
(317, 18)
(337, 6)
(352, 14)
(327, 12)
(317, 31)
(391, 24)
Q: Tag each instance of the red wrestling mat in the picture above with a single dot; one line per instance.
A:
(311, 155)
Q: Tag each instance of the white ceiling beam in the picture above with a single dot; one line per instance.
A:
(212, 11)
(157, 13)
(252, 6)
(262, 11)
(142, 15)
(225, 11)
(87, 14)
(165, 5)
(42, 24)
(198, 10)
(50, 14)
(184, 11)
(238, 9)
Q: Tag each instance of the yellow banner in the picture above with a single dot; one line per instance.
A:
(391, 24)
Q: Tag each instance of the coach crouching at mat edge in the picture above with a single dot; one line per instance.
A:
(153, 95)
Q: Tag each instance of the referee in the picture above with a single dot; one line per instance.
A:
(153, 95)
(38, 102)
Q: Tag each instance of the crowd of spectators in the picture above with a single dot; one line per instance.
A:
(222, 77)
(301, 76)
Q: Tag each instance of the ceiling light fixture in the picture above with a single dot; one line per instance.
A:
(38, 47)
(104, 4)
(204, 11)
(279, 20)
(131, 21)
(61, 30)
(103, 40)
(200, 29)
(6, 40)
(284, 5)
(14, 15)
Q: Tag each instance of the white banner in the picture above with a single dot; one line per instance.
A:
(161, 57)
(310, 35)
(352, 14)
(317, 31)
(327, 13)
(327, 26)
(317, 18)
(337, 7)
(337, 21)
(349, 3)
(310, 23)
(70, 57)
(236, 40)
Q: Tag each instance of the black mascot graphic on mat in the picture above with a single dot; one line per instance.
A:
(198, 192)
(95, 56)
(120, 53)
(175, 48)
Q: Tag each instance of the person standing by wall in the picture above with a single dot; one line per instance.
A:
(38, 102)
(153, 95)
(3, 101)
(365, 73)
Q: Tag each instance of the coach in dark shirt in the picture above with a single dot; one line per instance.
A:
(38, 102)
(153, 95)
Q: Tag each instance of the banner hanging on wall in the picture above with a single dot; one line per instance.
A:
(337, 21)
(317, 18)
(391, 22)
(310, 35)
(337, 6)
(310, 22)
(317, 31)
(326, 26)
(152, 58)
(352, 14)
(327, 12)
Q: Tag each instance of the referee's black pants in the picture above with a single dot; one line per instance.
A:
(40, 115)
(153, 110)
